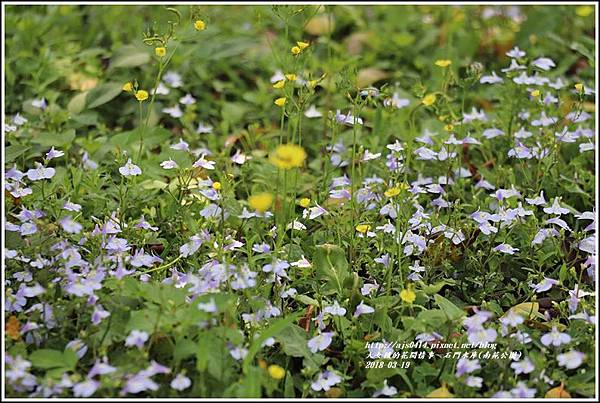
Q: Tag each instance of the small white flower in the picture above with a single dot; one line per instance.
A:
(130, 169)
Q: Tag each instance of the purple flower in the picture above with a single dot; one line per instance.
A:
(203, 163)
(325, 381)
(362, 309)
(320, 342)
(522, 391)
(556, 209)
(571, 359)
(474, 381)
(40, 172)
(492, 79)
(465, 366)
(69, 225)
(335, 309)
(524, 366)
(78, 346)
(555, 338)
(139, 383)
(130, 169)
(53, 154)
(136, 338)
(506, 248)
(347, 119)
(86, 388)
(188, 99)
(515, 53)
(544, 285)
(386, 390)
(101, 368)
(181, 382)
(99, 314)
(481, 335)
(544, 63)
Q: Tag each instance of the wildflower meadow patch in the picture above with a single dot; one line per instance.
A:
(299, 201)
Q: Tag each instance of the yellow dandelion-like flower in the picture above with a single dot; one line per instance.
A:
(261, 202)
(160, 51)
(579, 87)
(200, 25)
(449, 127)
(279, 84)
(535, 93)
(429, 99)
(128, 87)
(312, 83)
(584, 11)
(391, 192)
(443, 63)
(407, 295)
(363, 228)
(141, 95)
(276, 372)
(288, 156)
(291, 77)
(304, 202)
(302, 45)
(216, 185)
(296, 50)
(280, 101)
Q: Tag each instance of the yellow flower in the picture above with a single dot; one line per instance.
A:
(261, 202)
(429, 100)
(579, 87)
(449, 127)
(128, 87)
(363, 228)
(141, 95)
(584, 11)
(262, 363)
(443, 63)
(535, 93)
(296, 50)
(304, 202)
(291, 77)
(160, 51)
(279, 84)
(199, 25)
(216, 185)
(391, 192)
(407, 295)
(280, 101)
(302, 45)
(276, 372)
(288, 156)
(312, 83)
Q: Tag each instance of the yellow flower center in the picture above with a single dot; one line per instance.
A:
(407, 295)
(141, 95)
(443, 63)
(276, 372)
(261, 202)
(288, 156)
(429, 100)
(199, 25)
(363, 228)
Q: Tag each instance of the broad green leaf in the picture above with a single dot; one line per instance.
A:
(272, 330)
(451, 311)
(103, 94)
(293, 339)
(331, 267)
(129, 56)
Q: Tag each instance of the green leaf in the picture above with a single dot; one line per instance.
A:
(293, 340)
(273, 330)
(331, 267)
(47, 358)
(48, 139)
(14, 151)
(129, 56)
(103, 94)
(77, 103)
(451, 311)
